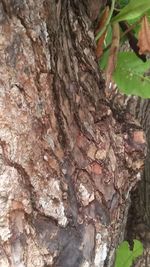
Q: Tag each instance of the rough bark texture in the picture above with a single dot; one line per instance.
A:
(68, 158)
(138, 224)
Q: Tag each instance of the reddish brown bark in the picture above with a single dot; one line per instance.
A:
(68, 159)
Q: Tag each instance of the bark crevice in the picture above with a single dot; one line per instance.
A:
(63, 138)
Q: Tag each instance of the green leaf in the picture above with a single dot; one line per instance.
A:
(137, 27)
(123, 255)
(103, 60)
(122, 3)
(148, 14)
(108, 37)
(129, 75)
(134, 9)
(137, 249)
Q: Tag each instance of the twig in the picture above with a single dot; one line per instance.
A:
(107, 22)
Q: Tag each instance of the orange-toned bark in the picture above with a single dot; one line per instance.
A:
(66, 158)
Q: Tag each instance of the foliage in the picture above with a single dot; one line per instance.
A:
(133, 10)
(129, 75)
(128, 69)
(126, 257)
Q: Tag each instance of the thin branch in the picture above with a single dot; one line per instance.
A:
(107, 22)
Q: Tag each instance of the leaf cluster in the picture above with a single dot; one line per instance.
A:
(129, 70)
(126, 257)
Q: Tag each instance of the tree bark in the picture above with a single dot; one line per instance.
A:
(138, 223)
(69, 157)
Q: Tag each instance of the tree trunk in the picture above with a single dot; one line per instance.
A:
(138, 224)
(69, 157)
